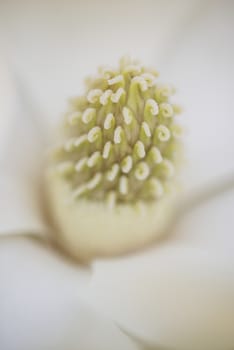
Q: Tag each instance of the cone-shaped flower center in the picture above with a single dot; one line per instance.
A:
(120, 140)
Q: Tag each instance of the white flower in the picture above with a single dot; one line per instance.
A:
(180, 292)
(128, 155)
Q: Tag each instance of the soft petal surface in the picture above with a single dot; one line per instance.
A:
(201, 65)
(41, 303)
(22, 147)
(180, 293)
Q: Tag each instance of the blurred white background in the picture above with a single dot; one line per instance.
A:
(55, 44)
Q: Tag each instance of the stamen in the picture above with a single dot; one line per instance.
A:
(94, 182)
(113, 172)
(94, 159)
(163, 133)
(115, 80)
(109, 121)
(117, 95)
(88, 115)
(94, 134)
(149, 78)
(80, 165)
(146, 129)
(139, 149)
(107, 150)
(94, 95)
(118, 135)
(126, 164)
(154, 154)
(123, 185)
(166, 110)
(141, 82)
(128, 115)
(80, 140)
(142, 171)
(151, 107)
(105, 97)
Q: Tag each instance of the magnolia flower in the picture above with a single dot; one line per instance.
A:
(178, 292)
(111, 182)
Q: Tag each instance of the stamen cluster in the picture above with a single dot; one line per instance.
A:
(120, 140)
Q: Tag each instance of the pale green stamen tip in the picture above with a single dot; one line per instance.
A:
(166, 109)
(155, 155)
(139, 149)
(94, 95)
(88, 115)
(80, 140)
(107, 150)
(113, 172)
(128, 116)
(126, 164)
(152, 106)
(142, 171)
(115, 80)
(109, 121)
(118, 135)
(94, 133)
(163, 133)
(93, 159)
(81, 164)
(94, 182)
(105, 97)
(146, 129)
(116, 97)
(141, 82)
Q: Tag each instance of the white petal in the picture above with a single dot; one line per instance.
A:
(42, 305)
(206, 93)
(21, 156)
(179, 293)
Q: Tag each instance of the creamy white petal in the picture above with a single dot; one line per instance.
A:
(179, 293)
(207, 92)
(22, 150)
(46, 309)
